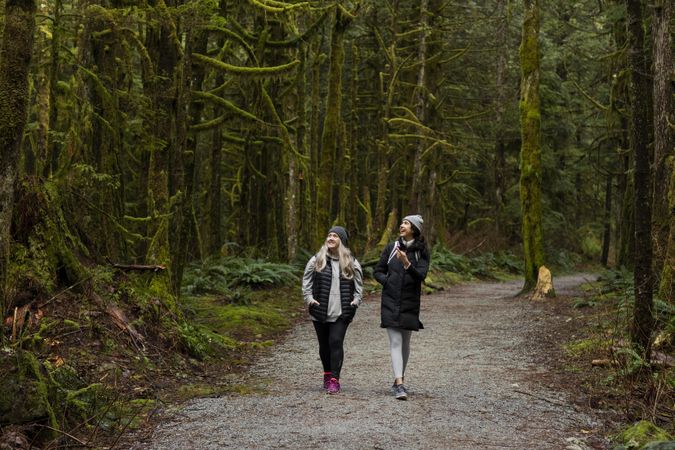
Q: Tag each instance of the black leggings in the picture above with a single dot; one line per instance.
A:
(331, 337)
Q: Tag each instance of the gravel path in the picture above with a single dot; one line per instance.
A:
(471, 377)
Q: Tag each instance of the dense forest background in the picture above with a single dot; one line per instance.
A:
(174, 131)
(150, 135)
(164, 133)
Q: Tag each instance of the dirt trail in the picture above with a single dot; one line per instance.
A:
(471, 375)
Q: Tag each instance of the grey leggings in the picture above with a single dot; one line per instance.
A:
(399, 345)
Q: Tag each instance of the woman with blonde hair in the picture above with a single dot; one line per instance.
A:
(332, 287)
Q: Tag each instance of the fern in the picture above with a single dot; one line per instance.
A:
(225, 274)
(487, 265)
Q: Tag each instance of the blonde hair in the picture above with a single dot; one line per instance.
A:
(344, 258)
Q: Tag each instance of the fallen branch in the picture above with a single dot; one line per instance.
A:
(541, 398)
(153, 267)
(83, 444)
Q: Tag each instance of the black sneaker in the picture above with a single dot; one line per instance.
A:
(400, 392)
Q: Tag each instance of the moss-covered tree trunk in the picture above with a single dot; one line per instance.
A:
(303, 239)
(417, 191)
(312, 184)
(386, 94)
(35, 156)
(215, 197)
(663, 142)
(530, 151)
(161, 41)
(53, 148)
(643, 315)
(101, 142)
(358, 164)
(193, 165)
(332, 127)
(215, 214)
(15, 57)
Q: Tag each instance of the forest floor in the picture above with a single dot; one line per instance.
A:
(488, 371)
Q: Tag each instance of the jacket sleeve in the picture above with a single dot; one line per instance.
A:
(308, 281)
(358, 283)
(419, 272)
(382, 267)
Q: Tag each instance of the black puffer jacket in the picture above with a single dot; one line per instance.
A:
(401, 289)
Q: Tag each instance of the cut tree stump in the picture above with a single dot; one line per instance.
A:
(544, 287)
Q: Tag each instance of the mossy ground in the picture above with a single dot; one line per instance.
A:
(95, 376)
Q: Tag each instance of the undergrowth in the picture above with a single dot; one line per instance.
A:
(88, 365)
(640, 390)
(448, 267)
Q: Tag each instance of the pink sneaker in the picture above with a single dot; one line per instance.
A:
(333, 386)
(326, 379)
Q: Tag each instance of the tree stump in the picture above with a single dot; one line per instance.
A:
(544, 287)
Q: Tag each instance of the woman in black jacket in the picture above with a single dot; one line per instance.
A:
(332, 287)
(401, 270)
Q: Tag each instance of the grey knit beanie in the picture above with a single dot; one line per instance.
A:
(416, 220)
(342, 233)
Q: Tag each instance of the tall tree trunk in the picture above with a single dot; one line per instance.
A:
(160, 42)
(35, 156)
(607, 221)
(663, 143)
(416, 192)
(387, 87)
(53, 149)
(215, 214)
(667, 284)
(181, 165)
(315, 139)
(193, 165)
(15, 56)
(303, 238)
(500, 105)
(358, 164)
(331, 126)
(643, 316)
(530, 152)
(215, 191)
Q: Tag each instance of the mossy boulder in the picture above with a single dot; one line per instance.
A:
(660, 445)
(35, 391)
(640, 434)
(24, 391)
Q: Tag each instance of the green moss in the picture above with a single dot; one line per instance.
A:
(641, 433)
(262, 344)
(23, 397)
(200, 342)
(584, 346)
(44, 256)
(70, 325)
(188, 391)
(126, 414)
(30, 367)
